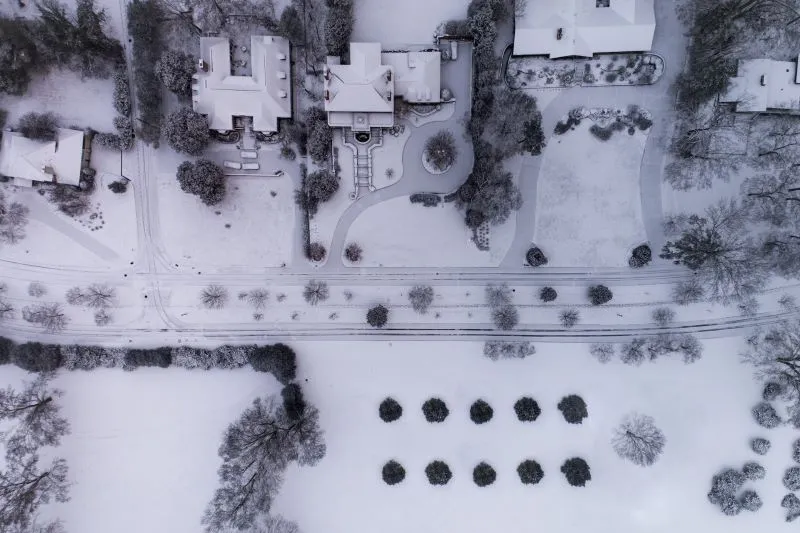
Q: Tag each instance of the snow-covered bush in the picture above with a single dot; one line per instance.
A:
(36, 289)
(726, 483)
(191, 358)
(203, 178)
(527, 409)
(577, 471)
(77, 357)
(663, 316)
(641, 256)
(438, 473)
(481, 412)
(760, 445)
(638, 440)
(440, 150)
(791, 502)
(318, 187)
(688, 292)
(791, 478)
(353, 252)
(175, 70)
(377, 316)
(393, 473)
(730, 505)
(435, 410)
(599, 294)
(484, 475)
(633, 352)
(160, 357)
(750, 501)
(548, 294)
(316, 252)
(36, 357)
(569, 317)
(122, 93)
(38, 126)
(753, 471)
(505, 318)
(495, 350)
(390, 410)
(603, 352)
(535, 257)
(796, 451)
(421, 298)
(530, 472)
(279, 359)
(573, 408)
(771, 391)
(103, 317)
(186, 131)
(766, 415)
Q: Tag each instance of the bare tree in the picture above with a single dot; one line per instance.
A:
(255, 451)
(6, 309)
(638, 440)
(24, 487)
(316, 292)
(603, 352)
(663, 316)
(100, 295)
(13, 219)
(214, 297)
(421, 298)
(569, 317)
(50, 316)
(257, 298)
(32, 416)
(777, 140)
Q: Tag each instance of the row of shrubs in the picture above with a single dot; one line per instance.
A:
(278, 359)
(640, 256)
(530, 472)
(527, 410)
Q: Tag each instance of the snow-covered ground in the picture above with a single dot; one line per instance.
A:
(412, 21)
(142, 452)
(589, 208)
(253, 226)
(399, 233)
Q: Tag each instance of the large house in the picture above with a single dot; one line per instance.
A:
(764, 86)
(565, 28)
(360, 95)
(26, 160)
(265, 95)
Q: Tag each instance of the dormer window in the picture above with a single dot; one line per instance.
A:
(603, 3)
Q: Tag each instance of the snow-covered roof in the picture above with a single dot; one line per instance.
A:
(60, 160)
(265, 95)
(586, 27)
(365, 85)
(417, 75)
(764, 84)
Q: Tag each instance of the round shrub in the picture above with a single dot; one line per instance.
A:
(527, 409)
(599, 294)
(438, 473)
(573, 408)
(353, 252)
(435, 410)
(730, 505)
(791, 478)
(576, 470)
(548, 294)
(390, 410)
(316, 252)
(791, 502)
(725, 484)
(796, 451)
(440, 150)
(484, 475)
(750, 500)
(771, 391)
(641, 256)
(530, 472)
(760, 445)
(753, 471)
(378, 316)
(393, 473)
(535, 257)
(766, 415)
(481, 412)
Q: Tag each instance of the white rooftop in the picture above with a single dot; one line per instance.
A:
(587, 27)
(57, 161)
(417, 75)
(764, 84)
(265, 95)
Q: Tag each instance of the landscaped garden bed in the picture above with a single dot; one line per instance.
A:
(601, 70)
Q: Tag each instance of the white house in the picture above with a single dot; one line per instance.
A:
(265, 95)
(58, 161)
(360, 95)
(564, 28)
(764, 86)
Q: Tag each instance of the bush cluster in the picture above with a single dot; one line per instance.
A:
(724, 487)
(573, 408)
(791, 478)
(766, 415)
(427, 199)
(753, 471)
(481, 412)
(390, 410)
(279, 359)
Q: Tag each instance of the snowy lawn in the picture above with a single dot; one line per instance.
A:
(253, 226)
(389, 156)
(77, 102)
(413, 21)
(398, 233)
(589, 208)
(323, 223)
(703, 409)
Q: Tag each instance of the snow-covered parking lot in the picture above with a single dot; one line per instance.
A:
(588, 205)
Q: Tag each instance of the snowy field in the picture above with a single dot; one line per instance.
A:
(412, 21)
(259, 211)
(143, 443)
(397, 233)
(589, 208)
(81, 103)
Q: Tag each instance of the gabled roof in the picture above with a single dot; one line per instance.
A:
(265, 95)
(587, 27)
(363, 86)
(27, 159)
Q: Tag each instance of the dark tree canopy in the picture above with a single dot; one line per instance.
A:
(186, 131)
(530, 472)
(38, 126)
(378, 316)
(435, 410)
(175, 70)
(489, 194)
(440, 150)
(577, 472)
(279, 359)
(204, 179)
(18, 56)
(338, 26)
(573, 408)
